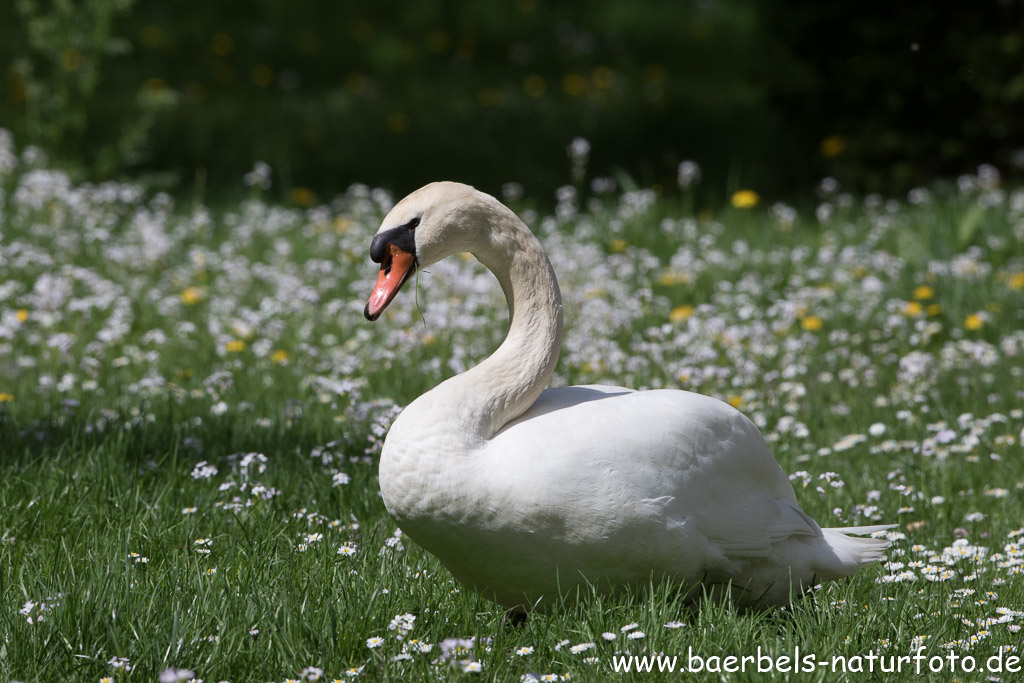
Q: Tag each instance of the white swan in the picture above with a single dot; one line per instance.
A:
(524, 492)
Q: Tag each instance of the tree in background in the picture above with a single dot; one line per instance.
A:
(895, 94)
(769, 94)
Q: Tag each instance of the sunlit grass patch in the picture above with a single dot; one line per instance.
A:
(191, 408)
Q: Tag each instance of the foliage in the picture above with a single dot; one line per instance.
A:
(897, 95)
(332, 93)
(770, 95)
(56, 83)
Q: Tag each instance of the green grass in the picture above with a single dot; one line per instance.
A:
(103, 428)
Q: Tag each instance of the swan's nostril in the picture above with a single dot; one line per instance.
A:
(388, 261)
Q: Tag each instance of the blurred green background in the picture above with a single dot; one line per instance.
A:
(766, 94)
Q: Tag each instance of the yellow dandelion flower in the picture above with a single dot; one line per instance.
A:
(154, 86)
(437, 41)
(222, 44)
(303, 196)
(261, 75)
(534, 86)
(912, 308)
(191, 295)
(1017, 280)
(242, 330)
(745, 199)
(235, 345)
(574, 84)
(397, 123)
(812, 323)
(673, 277)
(603, 77)
(934, 309)
(617, 246)
(833, 146)
(973, 322)
(22, 315)
(151, 36)
(923, 293)
(356, 83)
(6, 398)
(280, 357)
(655, 73)
(71, 59)
(680, 314)
(490, 97)
(736, 401)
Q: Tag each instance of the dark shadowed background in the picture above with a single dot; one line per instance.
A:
(767, 94)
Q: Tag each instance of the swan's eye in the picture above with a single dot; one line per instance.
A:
(413, 223)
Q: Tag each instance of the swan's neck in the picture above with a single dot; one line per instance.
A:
(480, 401)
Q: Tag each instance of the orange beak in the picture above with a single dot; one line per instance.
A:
(396, 267)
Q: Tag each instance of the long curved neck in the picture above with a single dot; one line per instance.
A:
(485, 398)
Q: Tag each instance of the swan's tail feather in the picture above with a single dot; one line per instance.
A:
(855, 551)
(861, 530)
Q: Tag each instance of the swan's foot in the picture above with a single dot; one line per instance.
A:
(513, 618)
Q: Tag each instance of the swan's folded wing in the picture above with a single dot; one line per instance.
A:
(687, 460)
(751, 533)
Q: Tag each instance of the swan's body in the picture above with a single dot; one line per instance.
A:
(524, 493)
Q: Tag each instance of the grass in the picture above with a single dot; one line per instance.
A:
(191, 407)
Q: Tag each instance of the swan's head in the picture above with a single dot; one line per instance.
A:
(431, 223)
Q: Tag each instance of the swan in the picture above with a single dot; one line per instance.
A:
(525, 493)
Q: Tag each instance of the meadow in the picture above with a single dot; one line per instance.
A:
(192, 405)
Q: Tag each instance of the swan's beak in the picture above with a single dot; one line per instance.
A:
(395, 268)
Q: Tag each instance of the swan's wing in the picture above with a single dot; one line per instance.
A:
(671, 458)
(739, 538)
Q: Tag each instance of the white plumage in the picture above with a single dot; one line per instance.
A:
(523, 492)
